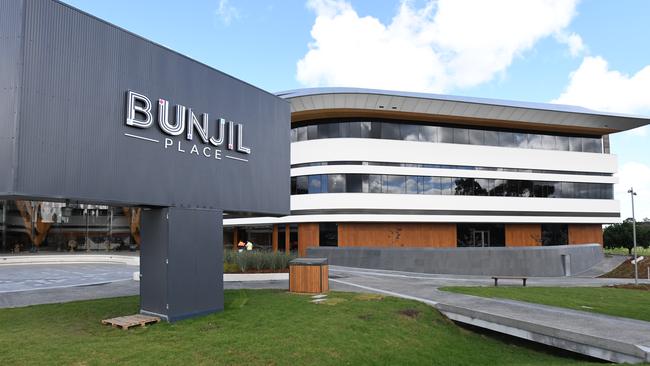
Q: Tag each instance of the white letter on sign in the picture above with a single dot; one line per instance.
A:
(132, 108)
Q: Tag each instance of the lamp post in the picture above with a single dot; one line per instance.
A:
(636, 266)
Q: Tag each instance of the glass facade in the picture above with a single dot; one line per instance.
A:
(555, 234)
(401, 184)
(480, 235)
(442, 134)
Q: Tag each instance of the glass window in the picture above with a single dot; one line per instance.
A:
(500, 188)
(425, 185)
(446, 186)
(476, 137)
(323, 130)
(461, 136)
(302, 185)
(375, 130)
(526, 188)
(554, 189)
(540, 189)
(328, 234)
(464, 187)
(293, 185)
(592, 145)
(534, 141)
(374, 183)
(315, 184)
(354, 183)
(323, 183)
(409, 132)
(608, 191)
(482, 187)
(521, 140)
(446, 135)
(335, 183)
(390, 131)
(366, 129)
(302, 133)
(507, 139)
(562, 143)
(344, 128)
(429, 133)
(411, 184)
(294, 135)
(354, 129)
(548, 142)
(312, 132)
(394, 184)
(555, 234)
(492, 138)
(567, 190)
(575, 143)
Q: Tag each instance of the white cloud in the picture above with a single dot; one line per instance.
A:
(227, 12)
(443, 45)
(636, 175)
(573, 40)
(594, 85)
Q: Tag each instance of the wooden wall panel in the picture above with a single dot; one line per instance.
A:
(308, 236)
(404, 235)
(585, 234)
(523, 235)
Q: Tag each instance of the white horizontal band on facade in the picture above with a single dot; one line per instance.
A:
(419, 219)
(386, 201)
(456, 173)
(356, 149)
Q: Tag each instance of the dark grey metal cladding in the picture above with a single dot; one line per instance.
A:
(154, 252)
(72, 145)
(11, 21)
(181, 262)
(195, 270)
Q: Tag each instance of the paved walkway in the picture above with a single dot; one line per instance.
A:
(606, 337)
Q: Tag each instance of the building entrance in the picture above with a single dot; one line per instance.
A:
(481, 238)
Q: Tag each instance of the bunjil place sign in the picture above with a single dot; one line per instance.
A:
(214, 135)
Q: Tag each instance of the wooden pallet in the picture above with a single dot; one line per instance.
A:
(129, 321)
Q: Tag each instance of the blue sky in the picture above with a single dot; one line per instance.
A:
(592, 53)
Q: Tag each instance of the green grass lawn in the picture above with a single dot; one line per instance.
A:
(259, 327)
(605, 300)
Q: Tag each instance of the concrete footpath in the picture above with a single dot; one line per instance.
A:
(609, 338)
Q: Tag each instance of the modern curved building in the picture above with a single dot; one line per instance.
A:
(374, 168)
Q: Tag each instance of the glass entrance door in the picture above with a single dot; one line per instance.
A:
(481, 238)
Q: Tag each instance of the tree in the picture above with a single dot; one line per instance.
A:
(620, 235)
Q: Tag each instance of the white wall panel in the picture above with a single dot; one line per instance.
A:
(450, 154)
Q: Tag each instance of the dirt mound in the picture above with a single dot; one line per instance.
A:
(626, 270)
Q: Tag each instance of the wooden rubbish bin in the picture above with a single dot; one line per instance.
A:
(308, 275)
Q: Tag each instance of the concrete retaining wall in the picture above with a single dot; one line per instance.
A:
(505, 261)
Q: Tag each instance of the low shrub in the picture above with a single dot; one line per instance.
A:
(258, 260)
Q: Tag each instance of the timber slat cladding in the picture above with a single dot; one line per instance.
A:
(311, 279)
(406, 235)
(585, 234)
(308, 236)
(523, 235)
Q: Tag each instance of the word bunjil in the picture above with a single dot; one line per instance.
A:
(139, 115)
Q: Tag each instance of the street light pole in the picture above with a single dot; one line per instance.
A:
(636, 266)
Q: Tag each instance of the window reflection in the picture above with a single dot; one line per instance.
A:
(458, 135)
(400, 184)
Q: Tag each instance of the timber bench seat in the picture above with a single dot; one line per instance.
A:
(497, 278)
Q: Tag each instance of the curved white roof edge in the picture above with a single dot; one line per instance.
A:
(531, 112)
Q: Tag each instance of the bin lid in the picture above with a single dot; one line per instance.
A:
(308, 261)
